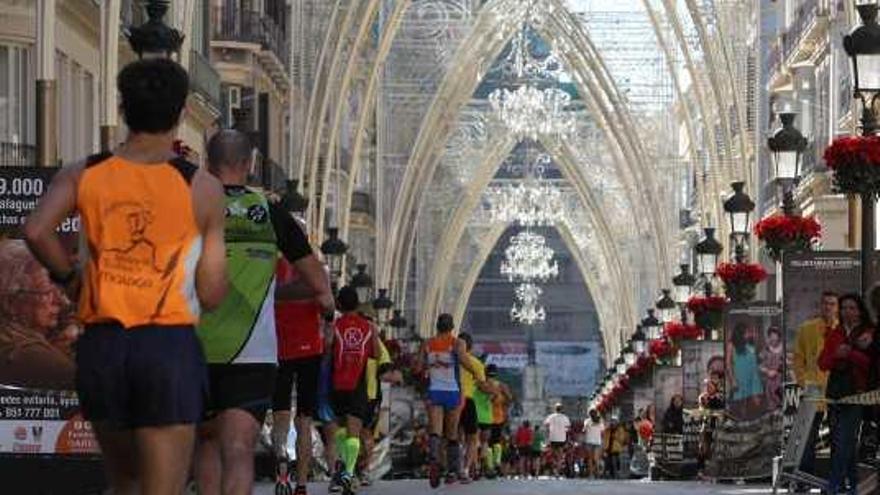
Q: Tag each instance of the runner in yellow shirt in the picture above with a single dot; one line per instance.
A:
(377, 369)
(468, 422)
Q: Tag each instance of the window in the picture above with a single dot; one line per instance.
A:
(75, 99)
(17, 88)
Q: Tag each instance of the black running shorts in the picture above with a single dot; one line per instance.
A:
(306, 371)
(468, 419)
(240, 386)
(143, 376)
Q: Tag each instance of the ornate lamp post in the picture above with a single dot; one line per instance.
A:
(638, 341)
(383, 304)
(683, 288)
(651, 325)
(629, 354)
(363, 283)
(666, 306)
(787, 147)
(398, 323)
(863, 47)
(154, 38)
(334, 250)
(620, 366)
(739, 207)
(707, 252)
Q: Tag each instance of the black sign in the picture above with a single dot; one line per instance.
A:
(20, 190)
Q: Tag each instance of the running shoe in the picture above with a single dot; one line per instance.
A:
(434, 475)
(347, 484)
(450, 478)
(335, 483)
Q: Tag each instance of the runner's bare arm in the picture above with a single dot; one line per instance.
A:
(318, 278)
(376, 346)
(461, 352)
(39, 230)
(208, 204)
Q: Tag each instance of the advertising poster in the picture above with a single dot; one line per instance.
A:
(805, 276)
(570, 368)
(505, 355)
(667, 384)
(745, 449)
(754, 355)
(39, 412)
(699, 358)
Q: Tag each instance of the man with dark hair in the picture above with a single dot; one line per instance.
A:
(355, 339)
(153, 226)
(239, 338)
(470, 380)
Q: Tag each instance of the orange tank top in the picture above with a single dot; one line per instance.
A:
(141, 242)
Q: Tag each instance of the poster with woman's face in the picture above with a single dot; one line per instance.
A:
(698, 359)
(754, 355)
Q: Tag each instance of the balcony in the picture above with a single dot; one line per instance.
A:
(17, 155)
(203, 79)
(253, 27)
(802, 33)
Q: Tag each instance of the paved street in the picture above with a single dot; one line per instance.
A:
(546, 487)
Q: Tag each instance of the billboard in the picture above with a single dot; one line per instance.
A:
(39, 411)
(754, 355)
(698, 359)
(805, 276)
(667, 384)
(570, 368)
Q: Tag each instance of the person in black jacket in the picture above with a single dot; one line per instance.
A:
(673, 418)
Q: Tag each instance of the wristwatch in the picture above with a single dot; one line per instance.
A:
(63, 280)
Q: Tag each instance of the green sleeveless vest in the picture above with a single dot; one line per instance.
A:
(242, 329)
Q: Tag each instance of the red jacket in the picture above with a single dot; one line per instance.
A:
(850, 373)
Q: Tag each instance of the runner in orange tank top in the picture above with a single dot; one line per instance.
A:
(154, 255)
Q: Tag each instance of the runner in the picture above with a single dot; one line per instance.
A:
(593, 428)
(355, 340)
(380, 369)
(152, 224)
(443, 354)
(298, 310)
(238, 338)
(523, 440)
(537, 449)
(468, 418)
(557, 425)
(501, 400)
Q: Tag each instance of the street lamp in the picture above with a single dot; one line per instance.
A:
(739, 207)
(651, 325)
(863, 47)
(666, 306)
(620, 366)
(787, 147)
(155, 39)
(382, 304)
(629, 354)
(683, 285)
(293, 201)
(398, 323)
(362, 283)
(707, 251)
(334, 250)
(638, 341)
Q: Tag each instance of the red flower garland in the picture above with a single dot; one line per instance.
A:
(677, 330)
(788, 228)
(660, 347)
(853, 150)
(703, 304)
(741, 273)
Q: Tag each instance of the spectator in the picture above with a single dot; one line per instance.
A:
(845, 356)
(594, 427)
(523, 440)
(673, 418)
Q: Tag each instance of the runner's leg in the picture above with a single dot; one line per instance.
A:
(164, 454)
(120, 458)
(304, 449)
(208, 461)
(238, 435)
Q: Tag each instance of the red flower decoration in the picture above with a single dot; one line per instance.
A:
(782, 232)
(660, 347)
(741, 273)
(703, 304)
(855, 162)
(677, 330)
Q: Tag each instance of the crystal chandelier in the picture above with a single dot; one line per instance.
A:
(529, 112)
(526, 309)
(530, 204)
(528, 258)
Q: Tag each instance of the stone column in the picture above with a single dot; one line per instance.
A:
(110, 11)
(47, 111)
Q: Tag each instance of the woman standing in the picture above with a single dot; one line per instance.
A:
(845, 356)
(744, 378)
(673, 418)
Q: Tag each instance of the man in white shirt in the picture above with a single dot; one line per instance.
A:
(557, 425)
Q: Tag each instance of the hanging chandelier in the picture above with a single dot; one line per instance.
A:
(529, 111)
(528, 258)
(532, 203)
(526, 309)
